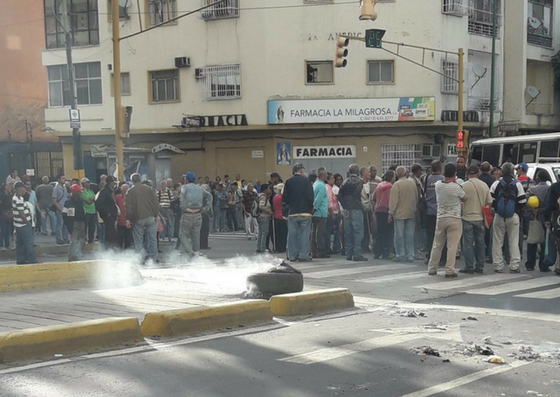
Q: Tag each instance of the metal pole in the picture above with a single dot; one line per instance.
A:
(76, 135)
(460, 89)
(493, 67)
(117, 91)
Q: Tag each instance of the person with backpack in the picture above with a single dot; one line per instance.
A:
(262, 211)
(509, 198)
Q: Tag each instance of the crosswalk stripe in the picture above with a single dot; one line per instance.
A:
(469, 282)
(517, 286)
(547, 294)
(393, 277)
(353, 270)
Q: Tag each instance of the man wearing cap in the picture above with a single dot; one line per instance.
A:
(88, 198)
(299, 196)
(142, 208)
(22, 224)
(108, 212)
(522, 177)
(474, 247)
(193, 203)
(75, 221)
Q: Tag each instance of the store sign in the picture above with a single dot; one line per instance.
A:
(351, 110)
(233, 120)
(99, 150)
(257, 154)
(324, 152)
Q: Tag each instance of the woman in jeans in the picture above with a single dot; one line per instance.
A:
(6, 217)
(380, 200)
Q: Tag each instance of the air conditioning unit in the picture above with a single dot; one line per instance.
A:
(431, 151)
(182, 62)
(199, 73)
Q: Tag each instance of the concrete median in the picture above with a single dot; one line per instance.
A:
(206, 318)
(302, 303)
(84, 336)
(99, 273)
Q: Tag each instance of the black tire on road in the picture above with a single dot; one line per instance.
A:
(275, 283)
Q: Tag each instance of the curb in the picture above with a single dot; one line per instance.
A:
(206, 318)
(10, 255)
(73, 274)
(68, 338)
(302, 303)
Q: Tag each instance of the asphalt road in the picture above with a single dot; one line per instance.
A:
(371, 351)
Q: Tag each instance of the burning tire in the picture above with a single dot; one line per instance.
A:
(283, 279)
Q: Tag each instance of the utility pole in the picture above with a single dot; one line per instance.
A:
(76, 135)
(460, 85)
(117, 91)
(493, 67)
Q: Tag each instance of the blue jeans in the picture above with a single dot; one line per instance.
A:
(404, 238)
(52, 219)
(474, 249)
(24, 245)
(5, 232)
(264, 227)
(61, 232)
(299, 232)
(353, 233)
(145, 232)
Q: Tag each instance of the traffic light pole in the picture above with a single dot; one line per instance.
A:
(119, 151)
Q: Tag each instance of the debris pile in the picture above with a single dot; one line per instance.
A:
(412, 313)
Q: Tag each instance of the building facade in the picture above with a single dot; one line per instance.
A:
(25, 143)
(250, 87)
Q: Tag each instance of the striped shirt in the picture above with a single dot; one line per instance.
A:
(18, 204)
(164, 198)
(449, 195)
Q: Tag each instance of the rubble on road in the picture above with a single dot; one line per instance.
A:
(412, 313)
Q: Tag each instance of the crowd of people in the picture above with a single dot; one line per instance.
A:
(435, 215)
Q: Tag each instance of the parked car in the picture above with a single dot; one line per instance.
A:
(551, 168)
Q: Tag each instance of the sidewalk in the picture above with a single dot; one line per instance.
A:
(44, 245)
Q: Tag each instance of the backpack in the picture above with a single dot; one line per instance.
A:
(507, 199)
(256, 207)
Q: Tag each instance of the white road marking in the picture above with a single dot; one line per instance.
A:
(332, 353)
(547, 294)
(465, 380)
(353, 270)
(517, 286)
(470, 282)
(393, 277)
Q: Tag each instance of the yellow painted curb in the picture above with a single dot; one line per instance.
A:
(301, 303)
(68, 338)
(69, 274)
(206, 318)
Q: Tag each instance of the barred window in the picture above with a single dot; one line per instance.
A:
(222, 82)
(481, 15)
(225, 9)
(165, 86)
(400, 154)
(449, 82)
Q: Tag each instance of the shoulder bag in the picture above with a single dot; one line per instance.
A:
(486, 213)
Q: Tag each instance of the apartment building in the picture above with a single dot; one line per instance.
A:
(250, 87)
(25, 144)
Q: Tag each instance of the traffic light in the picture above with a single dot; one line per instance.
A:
(462, 141)
(341, 52)
(374, 38)
(367, 10)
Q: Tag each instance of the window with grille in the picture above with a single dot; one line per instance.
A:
(380, 72)
(48, 164)
(165, 86)
(222, 82)
(84, 23)
(160, 11)
(400, 154)
(319, 72)
(87, 81)
(480, 17)
(453, 7)
(449, 81)
(542, 12)
(224, 9)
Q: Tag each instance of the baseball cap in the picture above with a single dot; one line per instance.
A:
(297, 168)
(85, 180)
(75, 188)
(473, 169)
(523, 166)
(190, 176)
(18, 185)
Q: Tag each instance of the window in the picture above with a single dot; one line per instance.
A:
(491, 154)
(84, 27)
(225, 9)
(480, 17)
(165, 86)
(380, 72)
(540, 31)
(319, 72)
(87, 80)
(161, 11)
(449, 82)
(125, 83)
(123, 14)
(222, 82)
(400, 154)
(549, 149)
(453, 7)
